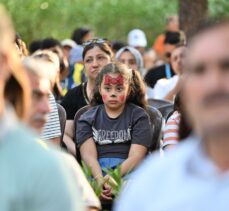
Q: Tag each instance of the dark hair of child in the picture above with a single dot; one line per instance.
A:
(136, 84)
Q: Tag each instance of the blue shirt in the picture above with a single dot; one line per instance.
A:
(185, 180)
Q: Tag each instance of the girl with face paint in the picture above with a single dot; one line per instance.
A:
(116, 130)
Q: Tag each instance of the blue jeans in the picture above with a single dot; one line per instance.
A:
(109, 163)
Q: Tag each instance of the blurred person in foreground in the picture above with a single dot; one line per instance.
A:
(26, 166)
(47, 62)
(40, 81)
(198, 168)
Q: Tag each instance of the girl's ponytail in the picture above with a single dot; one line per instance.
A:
(137, 90)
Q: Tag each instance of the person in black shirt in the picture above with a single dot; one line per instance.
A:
(164, 71)
(97, 53)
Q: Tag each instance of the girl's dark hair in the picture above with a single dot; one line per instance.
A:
(78, 35)
(184, 128)
(137, 88)
(104, 46)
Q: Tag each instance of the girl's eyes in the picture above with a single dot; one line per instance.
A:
(119, 89)
(107, 88)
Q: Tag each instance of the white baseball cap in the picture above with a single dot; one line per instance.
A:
(137, 38)
(68, 42)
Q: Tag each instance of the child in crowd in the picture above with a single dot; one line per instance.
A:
(117, 130)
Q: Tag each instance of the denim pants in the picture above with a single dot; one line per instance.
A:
(109, 163)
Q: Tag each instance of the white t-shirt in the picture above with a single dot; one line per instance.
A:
(164, 86)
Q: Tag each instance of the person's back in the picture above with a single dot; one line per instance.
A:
(33, 176)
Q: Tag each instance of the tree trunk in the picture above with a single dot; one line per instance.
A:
(191, 12)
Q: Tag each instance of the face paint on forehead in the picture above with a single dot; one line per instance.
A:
(108, 80)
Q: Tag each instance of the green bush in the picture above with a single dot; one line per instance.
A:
(113, 19)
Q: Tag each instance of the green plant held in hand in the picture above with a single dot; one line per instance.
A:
(88, 173)
(113, 179)
(118, 182)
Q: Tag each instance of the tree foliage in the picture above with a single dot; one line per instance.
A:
(113, 19)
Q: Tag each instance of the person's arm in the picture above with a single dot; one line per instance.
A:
(70, 105)
(141, 140)
(68, 137)
(55, 141)
(136, 155)
(172, 93)
(89, 155)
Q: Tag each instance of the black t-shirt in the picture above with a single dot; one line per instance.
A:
(156, 73)
(113, 137)
(74, 100)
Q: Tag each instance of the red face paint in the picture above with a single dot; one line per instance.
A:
(122, 98)
(119, 80)
(104, 97)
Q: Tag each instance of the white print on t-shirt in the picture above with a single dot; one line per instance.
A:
(111, 136)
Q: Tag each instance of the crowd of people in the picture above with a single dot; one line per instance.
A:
(109, 91)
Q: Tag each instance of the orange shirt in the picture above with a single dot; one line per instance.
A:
(159, 44)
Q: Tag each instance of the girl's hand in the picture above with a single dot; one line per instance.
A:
(109, 180)
(106, 192)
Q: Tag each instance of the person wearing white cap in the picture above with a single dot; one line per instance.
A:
(137, 39)
(67, 45)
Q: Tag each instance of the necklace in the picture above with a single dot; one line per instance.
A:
(84, 90)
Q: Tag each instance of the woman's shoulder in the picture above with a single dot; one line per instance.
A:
(75, 90)
(73, 96)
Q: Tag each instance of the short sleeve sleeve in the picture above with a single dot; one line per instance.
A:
(171, 130)
(84, 128)
(142, 133)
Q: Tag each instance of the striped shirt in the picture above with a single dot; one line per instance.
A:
(52, 126)
(171, 129)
